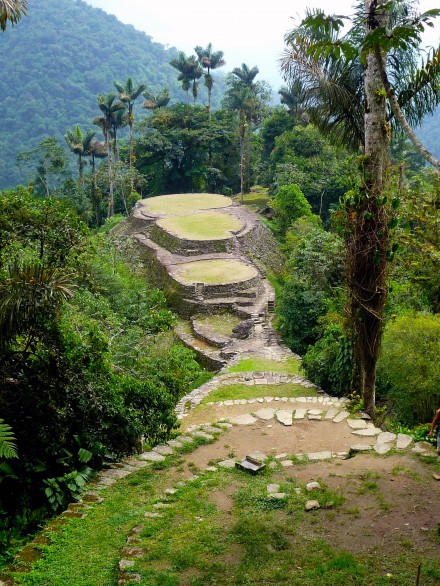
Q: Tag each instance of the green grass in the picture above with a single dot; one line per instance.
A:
(214, 272)
(222, 529)
(252, 392)
(201, 225)
(185, 202)
(219, 323)
(257, 199)
(257, 363)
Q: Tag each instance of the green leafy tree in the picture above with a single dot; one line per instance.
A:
(48, 162)
(289, 204)
(346, 94)
(209, 60)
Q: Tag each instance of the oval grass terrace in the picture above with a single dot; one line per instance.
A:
(214, 272)
(201, 225)
(183, 203)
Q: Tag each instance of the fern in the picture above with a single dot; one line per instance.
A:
(8, 449)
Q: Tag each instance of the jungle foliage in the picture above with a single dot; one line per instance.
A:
(89, 366)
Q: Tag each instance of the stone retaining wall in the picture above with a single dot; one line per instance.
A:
(186, 247)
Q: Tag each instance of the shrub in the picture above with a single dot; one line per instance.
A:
(329, 363)
(409, 368)
(289, 205)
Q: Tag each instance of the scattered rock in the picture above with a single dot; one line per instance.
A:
(319, 455)
(311, 505)
(287, 463)
(124, 564)
(258, 456)
(273, 487)
(403, 441)
(313, 486)
(227, 463)
(300, 413)
(277, 495)
(436, 476)
(243, 330)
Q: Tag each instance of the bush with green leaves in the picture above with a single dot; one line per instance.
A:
(312, 284)
(329, 362)
(289, 204)
(409, 369)
(89, 366)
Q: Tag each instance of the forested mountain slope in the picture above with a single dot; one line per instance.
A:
(55, 62)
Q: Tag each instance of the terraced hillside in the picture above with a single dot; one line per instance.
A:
(210, 255)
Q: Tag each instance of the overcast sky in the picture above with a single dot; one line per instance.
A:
(248, 31)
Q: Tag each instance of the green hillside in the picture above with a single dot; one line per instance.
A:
(55, 62)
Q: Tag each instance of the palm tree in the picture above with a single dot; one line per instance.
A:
(246, 97)
(12, 11)
(189, 71)
(128, 94)
(107, 122)
(79, 144)
(97, 150)
(345, 88)
(209, 60)
(156, 101)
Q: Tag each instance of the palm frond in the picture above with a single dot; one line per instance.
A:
(12, 11)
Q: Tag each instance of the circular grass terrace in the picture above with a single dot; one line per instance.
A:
(214, 272)
(201, 225)
(183, 203)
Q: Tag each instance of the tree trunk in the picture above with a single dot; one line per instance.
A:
(368, 234)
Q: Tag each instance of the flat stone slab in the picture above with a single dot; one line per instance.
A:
(287, 463)
(386, 437)
(227, 463)
(357, 423)
(152, 457)
(225, 425)
(315, 417)
(174, 444)
(228, 402)
(403, 441)
(259, 456)
(164, 450)
(341, 416)
(273, 487)
(246, 419)
(284, 417)
(211, 429)
(152, 515)
(319, 455)
(360, 448)
(203, 435)
(300, 413)
(371, 432)
(266, 413)
(382, 448)
(315, 411)
(277, 495)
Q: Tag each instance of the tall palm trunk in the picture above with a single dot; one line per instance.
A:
(369, 234)
(111, 198)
